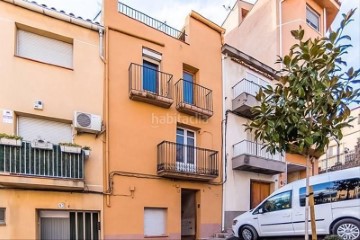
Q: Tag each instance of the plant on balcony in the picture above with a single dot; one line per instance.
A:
(11, 140)
(87, 151)
(310, 103)
(70, 147)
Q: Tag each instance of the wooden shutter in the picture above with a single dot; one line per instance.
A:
(52, 131)
(44, 49)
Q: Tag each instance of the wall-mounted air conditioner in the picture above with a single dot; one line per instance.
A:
(86, 122)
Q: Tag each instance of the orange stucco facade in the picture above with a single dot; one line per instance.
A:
(135, 128)
(26, 193)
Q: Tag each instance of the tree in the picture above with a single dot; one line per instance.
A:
(309, 105)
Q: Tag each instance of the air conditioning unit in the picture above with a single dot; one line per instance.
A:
(86, 122)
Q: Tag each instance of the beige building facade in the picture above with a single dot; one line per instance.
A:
(51, 104)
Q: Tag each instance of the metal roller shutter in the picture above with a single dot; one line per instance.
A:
(154, 221)
(54, 132)
(44, 49)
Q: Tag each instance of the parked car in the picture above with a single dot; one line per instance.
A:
(337, 209)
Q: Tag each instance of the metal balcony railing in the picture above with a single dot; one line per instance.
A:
(146, 79)
(254, 149)
(189, 93)
(179, 158)
(151, 22)
(249, 87)
(338, 162)
(25, 160)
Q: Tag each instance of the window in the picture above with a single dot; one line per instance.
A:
(312, 18)
(151, 67)
(277, 202)
(185, 149)
(155, 222)
(44, 49)
(2, 216)
(52, 131)
(69, 225)
(335, 191)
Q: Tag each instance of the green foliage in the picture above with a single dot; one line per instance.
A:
(332, 237)
(4, 135)
(86, 148)
(70, 144)
(310, 103)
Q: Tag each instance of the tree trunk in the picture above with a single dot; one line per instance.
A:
(312, 214)
(307, 198)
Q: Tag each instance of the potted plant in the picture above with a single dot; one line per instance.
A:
(11, 140)
(70, 147)
(86, 150)
(41, 144)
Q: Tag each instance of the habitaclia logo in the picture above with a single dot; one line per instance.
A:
(157, 121)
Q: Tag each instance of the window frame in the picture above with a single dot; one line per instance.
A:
(165, 220)
(266, 200)
(43, 34)
(3, 221)
(315, 13)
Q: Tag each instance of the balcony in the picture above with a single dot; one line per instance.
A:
(244, 93)
(339, 162)
(28, 167)
(249, 156)
(150, 86)
(193, 99)
(151, 22)
(186, 162)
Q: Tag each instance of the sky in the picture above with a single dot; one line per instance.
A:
(174, 13)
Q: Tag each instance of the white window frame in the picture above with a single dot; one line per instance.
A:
(310, 23)
(185, 164)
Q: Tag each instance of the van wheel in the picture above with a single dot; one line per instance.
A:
(348, 229)
(248, 233)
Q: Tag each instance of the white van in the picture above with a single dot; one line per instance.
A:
(337, 209)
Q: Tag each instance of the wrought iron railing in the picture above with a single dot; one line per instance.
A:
(255, 149)
(193, 94)
(249, 87)
(151, 22)
(26, 160)
(146, 79)
(338, 162)
(179, 158)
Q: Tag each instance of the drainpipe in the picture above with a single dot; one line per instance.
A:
(224, 79)
(280, 31)
(324, 21)
(101, 45)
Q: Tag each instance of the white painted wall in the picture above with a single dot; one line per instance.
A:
(237, 186)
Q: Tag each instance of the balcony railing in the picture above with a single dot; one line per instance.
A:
(255, 149)
(338, 162)
(249, 87)
(149, 85)
(193, 99)
(183, 161)
(52, 163)
(151, 22)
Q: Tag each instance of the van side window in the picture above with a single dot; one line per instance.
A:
(277, 202)
(335, 191)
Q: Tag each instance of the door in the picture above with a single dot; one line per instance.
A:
(188, 87)
(276, 216)
(259, 191)
(150, 76)
(185, 150)
(188, 214)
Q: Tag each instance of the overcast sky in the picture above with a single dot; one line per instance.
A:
(175, 11)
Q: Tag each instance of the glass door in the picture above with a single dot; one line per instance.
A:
(150, 76)
(185, 150)
(188, 87)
